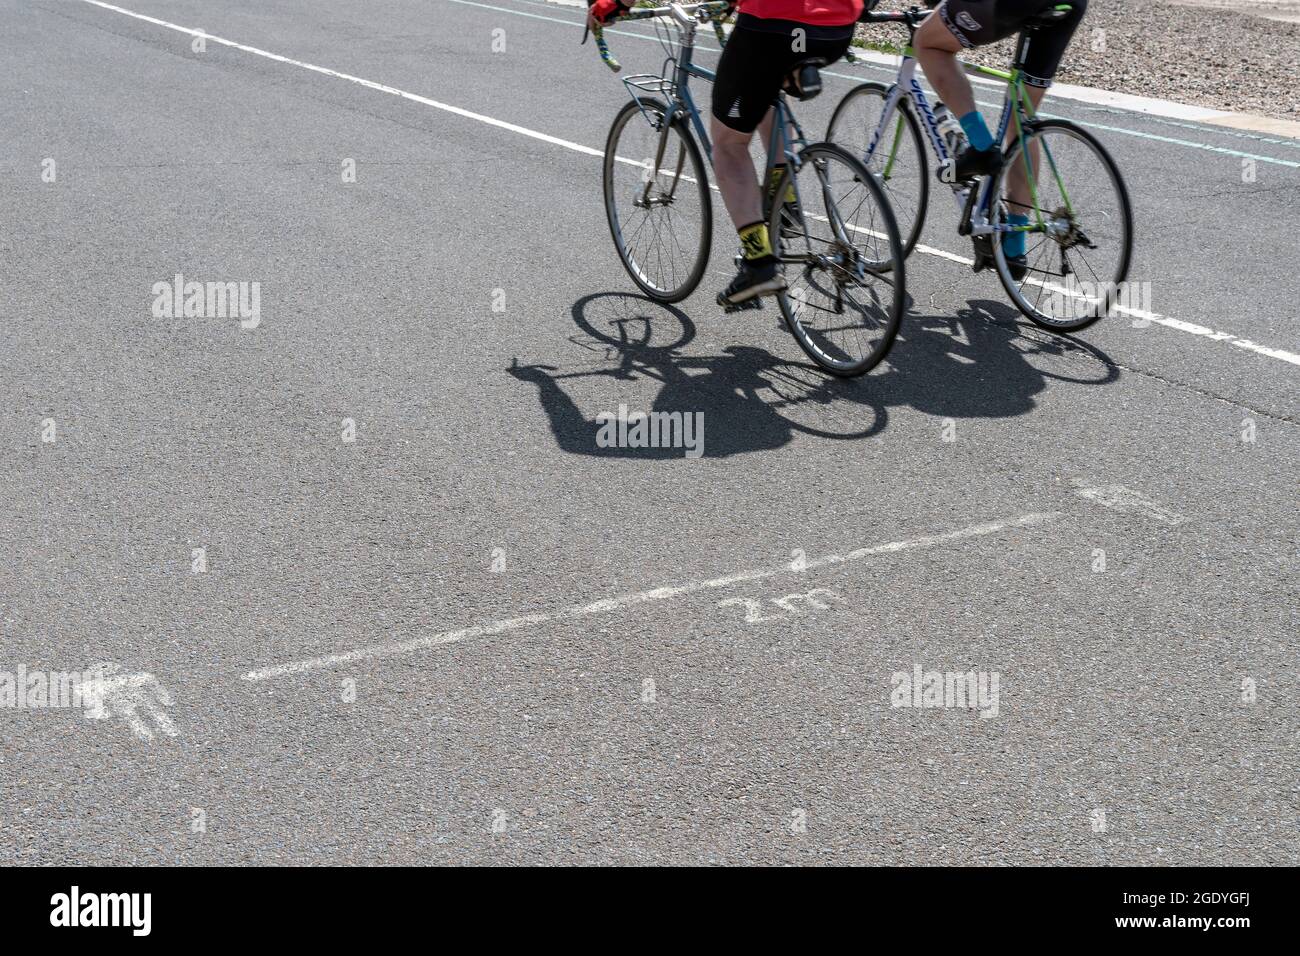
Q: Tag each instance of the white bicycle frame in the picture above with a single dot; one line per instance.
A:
(908, 85)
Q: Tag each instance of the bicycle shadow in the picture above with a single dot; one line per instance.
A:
(985, 361)
(972, 365)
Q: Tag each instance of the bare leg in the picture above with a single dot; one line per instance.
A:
(1018, 195)
(936, 51)
(764, 133)
(764, 130)
(734, 170)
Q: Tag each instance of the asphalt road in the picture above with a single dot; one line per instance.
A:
(432, 622)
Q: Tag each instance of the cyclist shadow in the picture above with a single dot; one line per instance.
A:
(985, 361)
(750, 400)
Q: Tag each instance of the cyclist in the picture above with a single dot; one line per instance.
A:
(769, 39)
(962, 24)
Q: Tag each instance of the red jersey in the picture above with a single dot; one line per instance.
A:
(822, 13)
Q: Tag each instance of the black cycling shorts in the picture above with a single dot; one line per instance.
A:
(977, 22)
(758, 56)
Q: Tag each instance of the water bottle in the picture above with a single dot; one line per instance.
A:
(953, 136)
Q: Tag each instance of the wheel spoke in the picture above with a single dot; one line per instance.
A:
(1079, 192)
(843, 313)
(661, 232)
(900, 150)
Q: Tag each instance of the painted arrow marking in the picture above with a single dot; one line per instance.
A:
(138, 699)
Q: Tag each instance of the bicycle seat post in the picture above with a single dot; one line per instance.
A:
(1022, 50)
(1032, 26)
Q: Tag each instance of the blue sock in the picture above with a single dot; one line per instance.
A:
(1013, 243)
(977, 132)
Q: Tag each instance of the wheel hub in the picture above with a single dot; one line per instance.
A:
(1064, 229)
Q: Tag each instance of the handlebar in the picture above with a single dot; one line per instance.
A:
(714, 11)
(911, 16)
(683, 14)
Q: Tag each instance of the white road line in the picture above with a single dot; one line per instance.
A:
(1191, 328)
(1188, 327)
(1119, 498)
(369, 84)
(413, 645)
(1084, 96)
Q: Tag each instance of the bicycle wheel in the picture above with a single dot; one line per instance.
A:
(898, 161)
(1079, 256)
(843, 261)
(660, 215)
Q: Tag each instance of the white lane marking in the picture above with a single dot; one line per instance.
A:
(888, 64)
(369, 84)
(1181, 326)
(1191, 328)
(1126, 500)
(133, 698)
(397, 648)
(1220, 131)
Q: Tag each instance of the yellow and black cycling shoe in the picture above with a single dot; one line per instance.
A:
(754, 279)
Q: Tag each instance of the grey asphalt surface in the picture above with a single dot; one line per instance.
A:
(1121, 691)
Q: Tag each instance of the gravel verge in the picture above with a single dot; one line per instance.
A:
(1222, 59)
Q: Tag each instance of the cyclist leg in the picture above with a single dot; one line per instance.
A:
(1020, 200)
(752, 69)
(734, 170)
(936, 50)
(754, 64)
(829, 48)
(957, 25)
(778, 162)
(962, 24)
(747, 82)
(1046, 50)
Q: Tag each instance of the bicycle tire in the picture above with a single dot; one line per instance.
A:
(1014, 288)
(891, 272)
(662, 291)
(911, 231)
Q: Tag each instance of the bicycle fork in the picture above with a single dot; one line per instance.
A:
(652, 171)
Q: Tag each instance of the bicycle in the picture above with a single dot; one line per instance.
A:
(1059, 270)
(846, 282)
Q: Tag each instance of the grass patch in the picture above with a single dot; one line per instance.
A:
(879, 46)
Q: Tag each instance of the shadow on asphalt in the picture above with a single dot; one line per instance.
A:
(982, 362)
